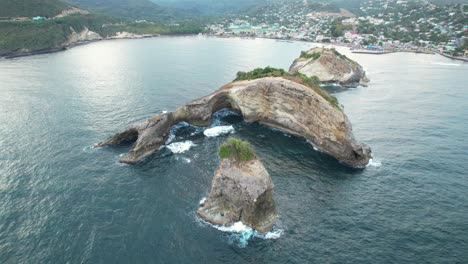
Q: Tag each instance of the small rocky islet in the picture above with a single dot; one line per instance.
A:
(292, 102)
(241, 190)
(330, 66)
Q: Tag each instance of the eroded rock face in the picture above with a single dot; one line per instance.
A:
(82, 36)
(70, 11)
(240, 192)
(275, 102)
(129, 35)
(330, 67)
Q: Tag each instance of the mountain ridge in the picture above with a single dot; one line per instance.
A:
(45, 8)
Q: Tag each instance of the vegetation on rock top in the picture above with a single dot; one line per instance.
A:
(237, 149)
(341, 56)
(307, 55)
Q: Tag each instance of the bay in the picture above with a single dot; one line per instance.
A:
(61, 201)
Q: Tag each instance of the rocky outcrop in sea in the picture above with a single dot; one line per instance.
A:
(329, 66)
(276, 102)
(241, 190)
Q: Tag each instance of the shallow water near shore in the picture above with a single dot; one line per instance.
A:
(63, 201)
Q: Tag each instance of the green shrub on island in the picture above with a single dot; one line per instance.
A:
(309, 81)
(274, 72)
(341, 56)
(314, 55)
(237, 149)
(260, 73)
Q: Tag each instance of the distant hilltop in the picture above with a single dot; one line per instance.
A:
(128, 9)
(30, 8)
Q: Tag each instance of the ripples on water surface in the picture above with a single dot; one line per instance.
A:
(62, 201)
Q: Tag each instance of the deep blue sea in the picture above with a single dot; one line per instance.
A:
(61, 201)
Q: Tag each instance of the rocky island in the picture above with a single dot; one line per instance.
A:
(329, 66)
(241, 190)
(288, 103)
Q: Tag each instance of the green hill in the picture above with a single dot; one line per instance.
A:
(30, 37)
(19, 38)
(132, 9)
(212, 7)
(31, 8)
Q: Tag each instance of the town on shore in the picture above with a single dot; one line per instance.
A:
(381, 26)
(365, 26)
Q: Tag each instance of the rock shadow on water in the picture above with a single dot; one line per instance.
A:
(280, 149)
(334, 88)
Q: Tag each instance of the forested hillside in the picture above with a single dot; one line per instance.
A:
(29, 8)
(133, 9)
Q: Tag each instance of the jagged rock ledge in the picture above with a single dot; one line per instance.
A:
(273, 101)
(329, 66)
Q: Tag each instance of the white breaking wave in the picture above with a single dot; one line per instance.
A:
(275, 234)
(202, 201)
(170, 138)
(90, 149)
(117, 161)
(237, 227)
(445, 64)
(180, 147)
(242, 233)
(314, 147)
(184, 159)
(218, 130)
(374, 163)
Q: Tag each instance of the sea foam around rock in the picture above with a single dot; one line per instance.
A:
(180, 147)
(218, 130)
(374, 163)
(239, 233)
(90, 149)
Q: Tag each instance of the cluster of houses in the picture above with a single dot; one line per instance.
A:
(386, 19)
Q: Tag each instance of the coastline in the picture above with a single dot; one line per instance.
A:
(12, 55)
(452, 57)
(428, 52)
